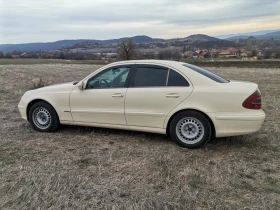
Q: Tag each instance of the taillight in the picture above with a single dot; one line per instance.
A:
(254, 101)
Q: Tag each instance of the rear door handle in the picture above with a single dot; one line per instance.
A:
(172, 95)
(119, 95)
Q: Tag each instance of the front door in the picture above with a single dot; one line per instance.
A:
(153, 93)
(102, 101)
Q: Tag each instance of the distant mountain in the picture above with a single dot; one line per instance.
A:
(195, 40)
(202, 37)
(142, 39)
(41, 46)
(238, 37)
(275, 35)
(201, 41)
(245, 35)
(48, 46)
(136, 39)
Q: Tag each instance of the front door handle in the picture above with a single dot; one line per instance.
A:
(172, 95)
(117, 95)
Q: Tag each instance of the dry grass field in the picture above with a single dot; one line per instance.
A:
(90, 168)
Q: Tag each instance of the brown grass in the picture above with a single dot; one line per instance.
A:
(90, 168)
(208, 62)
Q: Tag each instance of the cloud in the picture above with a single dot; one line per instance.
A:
(31, 20)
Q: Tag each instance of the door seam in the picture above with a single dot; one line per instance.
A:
(124, 105)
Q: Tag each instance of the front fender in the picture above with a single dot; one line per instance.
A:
(59, 101)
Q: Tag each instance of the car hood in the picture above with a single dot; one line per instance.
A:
(65, 87)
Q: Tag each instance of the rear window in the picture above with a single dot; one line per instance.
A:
(206, 73)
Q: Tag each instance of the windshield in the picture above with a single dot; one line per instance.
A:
(206, 73)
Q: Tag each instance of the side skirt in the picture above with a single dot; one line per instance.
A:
(113, 126)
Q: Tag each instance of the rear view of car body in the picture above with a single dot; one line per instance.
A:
(234, 107)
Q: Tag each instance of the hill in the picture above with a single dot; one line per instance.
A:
(245, 35)
(48, 46)
(41, 46)
(202, 37)
(274, 35)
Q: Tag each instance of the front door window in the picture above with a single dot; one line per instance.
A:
(110, 78)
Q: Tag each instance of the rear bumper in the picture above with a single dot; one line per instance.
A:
(233, 124)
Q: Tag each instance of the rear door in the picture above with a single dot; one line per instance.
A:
(153, 92)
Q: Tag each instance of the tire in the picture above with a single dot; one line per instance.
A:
(43, 117)
(190, 129)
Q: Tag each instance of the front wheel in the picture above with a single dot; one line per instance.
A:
(190, 129)
(43, 117)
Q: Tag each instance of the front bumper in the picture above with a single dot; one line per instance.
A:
(22, 111)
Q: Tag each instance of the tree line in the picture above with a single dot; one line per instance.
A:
(126, 50)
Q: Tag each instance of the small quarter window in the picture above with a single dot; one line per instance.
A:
(176, 79)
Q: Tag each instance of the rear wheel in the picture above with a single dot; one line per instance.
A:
(43, 117)
(190, 129)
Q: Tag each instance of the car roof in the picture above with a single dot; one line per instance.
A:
(163, 62)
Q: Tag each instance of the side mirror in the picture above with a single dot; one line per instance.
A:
(81, 85)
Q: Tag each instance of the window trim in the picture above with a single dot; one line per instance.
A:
(167, 78)
(112, 67)
(134, 70)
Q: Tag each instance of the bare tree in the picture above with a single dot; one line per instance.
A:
(254, 53)
(127, 50)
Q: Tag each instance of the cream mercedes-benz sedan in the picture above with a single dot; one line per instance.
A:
(184, 101)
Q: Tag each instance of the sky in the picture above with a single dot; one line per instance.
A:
(25, 21)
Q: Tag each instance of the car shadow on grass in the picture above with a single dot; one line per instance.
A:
(82, 130)
(246, 141)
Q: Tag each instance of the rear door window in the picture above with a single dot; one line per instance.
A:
(150, 77)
